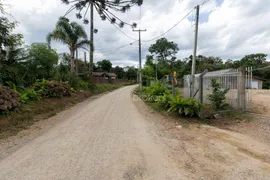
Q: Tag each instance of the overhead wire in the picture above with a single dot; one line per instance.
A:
(124, 33)
(170, 28)
(114, 49)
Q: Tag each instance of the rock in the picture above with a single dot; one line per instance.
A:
(179, 126)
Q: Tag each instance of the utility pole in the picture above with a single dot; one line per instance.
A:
(194, 52)
(140, 56)
(91, 53)
(76, 62)
(156, 70)
(85, 59)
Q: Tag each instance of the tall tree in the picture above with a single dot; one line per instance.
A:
(119, 71)
(71, 34)
(9, 53)
(104, 9)
(104, 65)
(164, 50)
(41, 62)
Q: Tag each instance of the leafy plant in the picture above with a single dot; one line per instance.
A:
(218, 95)
(157, 89)
(9, 99)
(84, 85)
(29, 95)
(187, 107)
(52, 89)
(163, 101)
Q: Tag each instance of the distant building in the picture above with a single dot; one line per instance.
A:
(105, 75)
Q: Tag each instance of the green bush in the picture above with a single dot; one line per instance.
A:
(157, 89)
(29, 95)
(187, 107)
(84, 85)
(73, 80)
(218, 95)
(163, 101)
(52, 89)
(9, 99)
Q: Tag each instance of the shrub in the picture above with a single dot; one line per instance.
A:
(218, 95)
(84, 85)
(163, 101)
(29, 95)
(187, 107)
(73, 80)
(52, 89)
(9, 99)
(157, 89)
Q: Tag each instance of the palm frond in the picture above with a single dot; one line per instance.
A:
(83, 43)
(78, 30)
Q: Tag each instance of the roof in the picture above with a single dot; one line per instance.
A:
(98, 73)
(111, 74)
(104, 73)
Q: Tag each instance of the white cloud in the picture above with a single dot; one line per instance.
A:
(230, 30)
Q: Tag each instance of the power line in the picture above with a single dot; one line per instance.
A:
(204, 2)
(114, 49)
(123, 32)
(170, 28)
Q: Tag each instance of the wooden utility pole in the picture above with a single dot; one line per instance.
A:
(193, 70)
(140, 57)
(91, 53)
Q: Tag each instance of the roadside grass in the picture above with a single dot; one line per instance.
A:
(28, 114)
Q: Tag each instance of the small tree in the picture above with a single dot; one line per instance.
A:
(218, 95)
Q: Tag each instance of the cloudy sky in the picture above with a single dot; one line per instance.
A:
(227, 29)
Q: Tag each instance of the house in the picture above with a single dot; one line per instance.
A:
(256, 83)
(104, 75)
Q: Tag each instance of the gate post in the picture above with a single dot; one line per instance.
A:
(241, 89)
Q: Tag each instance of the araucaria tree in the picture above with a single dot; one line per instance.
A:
(71, 34)
(105, 10)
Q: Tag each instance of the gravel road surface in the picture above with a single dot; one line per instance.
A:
(116, 138)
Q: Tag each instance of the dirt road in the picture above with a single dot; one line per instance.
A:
(114, 137)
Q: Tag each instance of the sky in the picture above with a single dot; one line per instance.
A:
(228, 29)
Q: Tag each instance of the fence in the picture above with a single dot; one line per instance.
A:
(238, 81)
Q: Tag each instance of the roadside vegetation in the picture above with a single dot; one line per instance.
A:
(159, 96)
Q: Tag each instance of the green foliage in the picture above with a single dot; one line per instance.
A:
(41, 62)
(71, 34)
(131, 73)
(157, 89)
(159, 94)
(187, 107)
(164, 101)
(29, 95)
(9, 99)
(52, 89)
(73, 80)
(84, 85)
(218, 95)
(104, 65)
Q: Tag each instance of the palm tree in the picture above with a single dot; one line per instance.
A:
(72, 34)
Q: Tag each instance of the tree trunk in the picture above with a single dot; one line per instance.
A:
(72, 52)
(91, 65)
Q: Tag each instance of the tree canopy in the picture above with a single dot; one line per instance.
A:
(71, 34)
